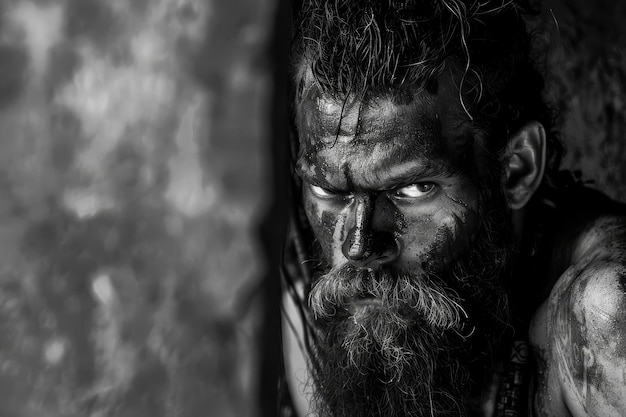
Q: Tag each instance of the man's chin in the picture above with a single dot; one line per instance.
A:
(364, 304)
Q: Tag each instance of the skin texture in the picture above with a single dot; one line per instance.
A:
(383, 170)
(578, 333)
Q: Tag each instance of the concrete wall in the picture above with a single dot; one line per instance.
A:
(134, 174)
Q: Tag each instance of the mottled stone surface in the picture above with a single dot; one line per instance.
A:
(133, 175)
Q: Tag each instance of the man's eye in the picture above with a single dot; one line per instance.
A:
(417, 190)
(322, 192)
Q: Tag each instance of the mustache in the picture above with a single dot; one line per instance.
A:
(418, 296)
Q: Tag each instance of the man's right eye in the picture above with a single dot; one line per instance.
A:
(322, 192)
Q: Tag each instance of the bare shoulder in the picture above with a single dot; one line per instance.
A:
(579, 333)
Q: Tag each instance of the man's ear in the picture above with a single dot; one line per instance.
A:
(524, 163)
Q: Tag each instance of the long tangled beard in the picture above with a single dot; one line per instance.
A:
(409, 345)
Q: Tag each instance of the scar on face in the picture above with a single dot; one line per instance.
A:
(457, 201)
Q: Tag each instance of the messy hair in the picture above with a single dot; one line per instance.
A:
(359, 48)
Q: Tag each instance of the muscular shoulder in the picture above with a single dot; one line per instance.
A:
(594, 287)
(579, 334)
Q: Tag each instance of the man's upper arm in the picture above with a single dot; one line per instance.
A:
(584, 345)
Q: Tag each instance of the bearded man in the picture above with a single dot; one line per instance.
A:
(435, 238)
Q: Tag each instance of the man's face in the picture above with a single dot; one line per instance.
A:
(389, 183)
(396, 194)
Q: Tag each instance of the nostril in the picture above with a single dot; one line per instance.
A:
(370, 251)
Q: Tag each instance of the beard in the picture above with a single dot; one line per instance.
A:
(419, 344)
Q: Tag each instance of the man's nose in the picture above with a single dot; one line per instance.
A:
(366, 247)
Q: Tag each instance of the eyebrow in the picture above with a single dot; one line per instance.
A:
(302, 170)
(416, 172)
(412, 173)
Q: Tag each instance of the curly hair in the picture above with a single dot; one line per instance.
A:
(361, 47)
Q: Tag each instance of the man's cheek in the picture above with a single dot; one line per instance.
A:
(329, 228)
(459, 228)
(436, 239)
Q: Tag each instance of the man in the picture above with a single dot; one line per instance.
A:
(435, 236)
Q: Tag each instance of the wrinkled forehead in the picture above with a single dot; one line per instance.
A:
(428, 125)
(326, 119)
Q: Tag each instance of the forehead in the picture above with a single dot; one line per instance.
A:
(325, 121)
(352, 140)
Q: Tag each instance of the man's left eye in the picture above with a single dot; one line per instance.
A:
(417, 190)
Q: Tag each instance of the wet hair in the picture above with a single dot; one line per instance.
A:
(364, 48)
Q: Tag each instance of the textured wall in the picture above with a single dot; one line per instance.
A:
(133, 168)
(588, 66)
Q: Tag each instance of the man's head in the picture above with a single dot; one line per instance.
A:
(418, 141)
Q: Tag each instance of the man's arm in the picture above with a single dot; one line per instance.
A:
(579, 333)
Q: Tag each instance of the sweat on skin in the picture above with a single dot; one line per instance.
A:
(384, 168)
